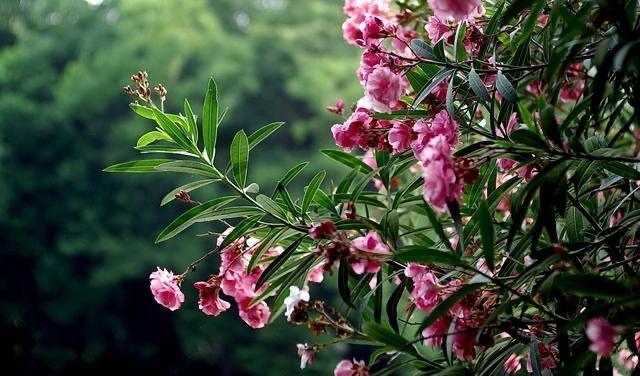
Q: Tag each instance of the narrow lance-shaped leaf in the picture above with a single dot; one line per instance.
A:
(148, 165)
(487, 233)
(210, 120)
(347, 160)
(278, 262)
(186, 188)
(311, 190)
(190, 217)
(191, 121)
(477, 85)
(343, 282)
(240, 158)
(240, 230)
(261, 134)
(505, 88)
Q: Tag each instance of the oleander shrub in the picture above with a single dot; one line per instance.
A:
(488, 223)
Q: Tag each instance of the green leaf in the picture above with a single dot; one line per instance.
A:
(174, 131)
(279, 261)
(478, 87)
(191, 121)
(343, 282)
(187, 188)
(450, 98)
(458, 44)
(392, 305)
(210, 120)
(528, 138)
(437, 227)
(487, 233)
(347, 160)
(550, 126)
(265, 243)
(505, 88)
(240, 158)
(150, 137)
(388, 337)
(590, 285)
(310, 192)
(147, 165)
(435, 81)
(423, 49)
(323, 200)
(271, 207)
(191, 216)
(261, 134)
(426, 255)
(292, 173)
(240, 230)
(514, 9)
(575, 224)
(190, 167)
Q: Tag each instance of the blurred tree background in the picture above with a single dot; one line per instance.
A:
(76, 244)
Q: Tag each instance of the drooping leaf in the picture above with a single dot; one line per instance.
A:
(279, 261)
(426, 255)
(187, 188)
(505, 88)
(347, 160)
(147, 165)
(478, 87)
(590, 285)
(191, 216)
(239, 230)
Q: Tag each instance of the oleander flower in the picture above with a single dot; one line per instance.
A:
(438, 29)
(512, 364)
(296, 295)
(383, 89)
(306, 354)
(456, 9)
(400, 137)
(349, 134)
(210, 302)
(165, 289)
(366, 250)
(351, 368)
(602, 336)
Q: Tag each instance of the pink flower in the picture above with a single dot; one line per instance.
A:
(512, 365)
(322, 230)
(441, 185)
(165, 289)
(351, 30)
(383, 89)
(435, 333)
(457, 9)
(464, 342)
(350, 134)
(210, 302)
(349, 368)
(426, 289)
(443, 124)
(306, 354)
(400, 137)
(359, 7)
(422, 130)
(256, 316)
(368, 62)
(627, 359)
(373, 29)
(317, 273)
(572, 92)
(438, 29)
(602, 336)
(365, 251)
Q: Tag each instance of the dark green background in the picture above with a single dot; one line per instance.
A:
(76, 244)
